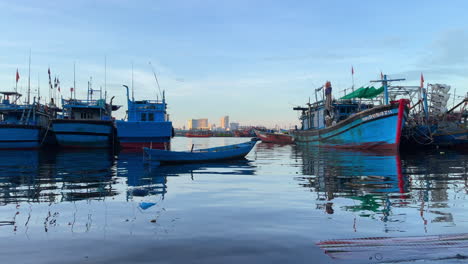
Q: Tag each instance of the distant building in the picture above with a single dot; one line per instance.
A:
(224, 122)
(198, 124)
(234, 126)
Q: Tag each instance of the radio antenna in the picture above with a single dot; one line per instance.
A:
(156, 78)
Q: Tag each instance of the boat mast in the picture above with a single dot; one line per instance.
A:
(29, 77)
(38, 89)
(384, 82)
(105, 78)
(156, 78)
(133, 98)
(74, 81)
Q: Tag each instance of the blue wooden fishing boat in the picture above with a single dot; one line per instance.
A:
(147, 124)
(348, 123)
(22, 126)
(85, 123)
(236, 151)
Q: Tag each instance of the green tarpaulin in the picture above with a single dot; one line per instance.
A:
(364, 92)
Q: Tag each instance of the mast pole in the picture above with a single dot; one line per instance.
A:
(29, 77)
(133, 98)
(105, 77)
(74, 81)
(38, 89)
(384, 82)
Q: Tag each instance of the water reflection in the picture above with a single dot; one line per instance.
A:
(30, 176)
(378, 183)
(282, 193)
(142, 179)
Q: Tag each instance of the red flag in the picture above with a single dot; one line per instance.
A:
(381, 75)
(71, 89)
(422, 80)
(17, 76)
(352, 70)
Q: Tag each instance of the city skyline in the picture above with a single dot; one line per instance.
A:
(255, 61)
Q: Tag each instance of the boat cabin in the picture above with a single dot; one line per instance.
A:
(314, 115)
(147, 111)
(87, 109)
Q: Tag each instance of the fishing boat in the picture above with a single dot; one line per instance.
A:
(236, 151)
(248, 132)
(432, 124)
(147, 124)
(199, 133)
(273, 137)
(22, 126)
(85, 123)
(347, 123)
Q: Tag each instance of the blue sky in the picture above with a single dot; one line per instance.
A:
(251, 60)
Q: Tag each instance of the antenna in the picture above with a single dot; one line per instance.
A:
(74, 80)
(29, 77)
(105, 75)
(155, 77)
(38, 89)
(133, 98)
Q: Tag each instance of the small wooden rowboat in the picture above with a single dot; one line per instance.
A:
(236, 151)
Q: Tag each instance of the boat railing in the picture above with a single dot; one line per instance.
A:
(142, 102)
(75, 103)
(14, 107)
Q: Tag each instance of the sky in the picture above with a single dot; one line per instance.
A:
(251, 60)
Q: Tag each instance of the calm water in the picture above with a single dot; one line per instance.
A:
(280, 205)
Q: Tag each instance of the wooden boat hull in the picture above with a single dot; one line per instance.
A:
(236, 151)
(83, 133)
(424, 136)
(15, 136)
(198, 135)
(138, 135)
(453, 139)
(376, 128)
(274, 137)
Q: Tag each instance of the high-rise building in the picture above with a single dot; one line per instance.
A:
(198, 124)
(224, 122)
(234, 126)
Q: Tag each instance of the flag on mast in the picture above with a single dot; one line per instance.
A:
(381, 75)
(352, 70)
(17, 75)
(422, 80)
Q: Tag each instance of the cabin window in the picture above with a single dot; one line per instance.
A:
(150, 116)
(143, 116)
(86, 115)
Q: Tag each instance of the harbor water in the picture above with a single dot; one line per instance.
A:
(282, 204)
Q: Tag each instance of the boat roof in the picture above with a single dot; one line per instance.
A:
(10, 93)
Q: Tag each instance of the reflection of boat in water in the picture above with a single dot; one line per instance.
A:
(142, 180)
(232, 167)
(36, 176)
(349, 172)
